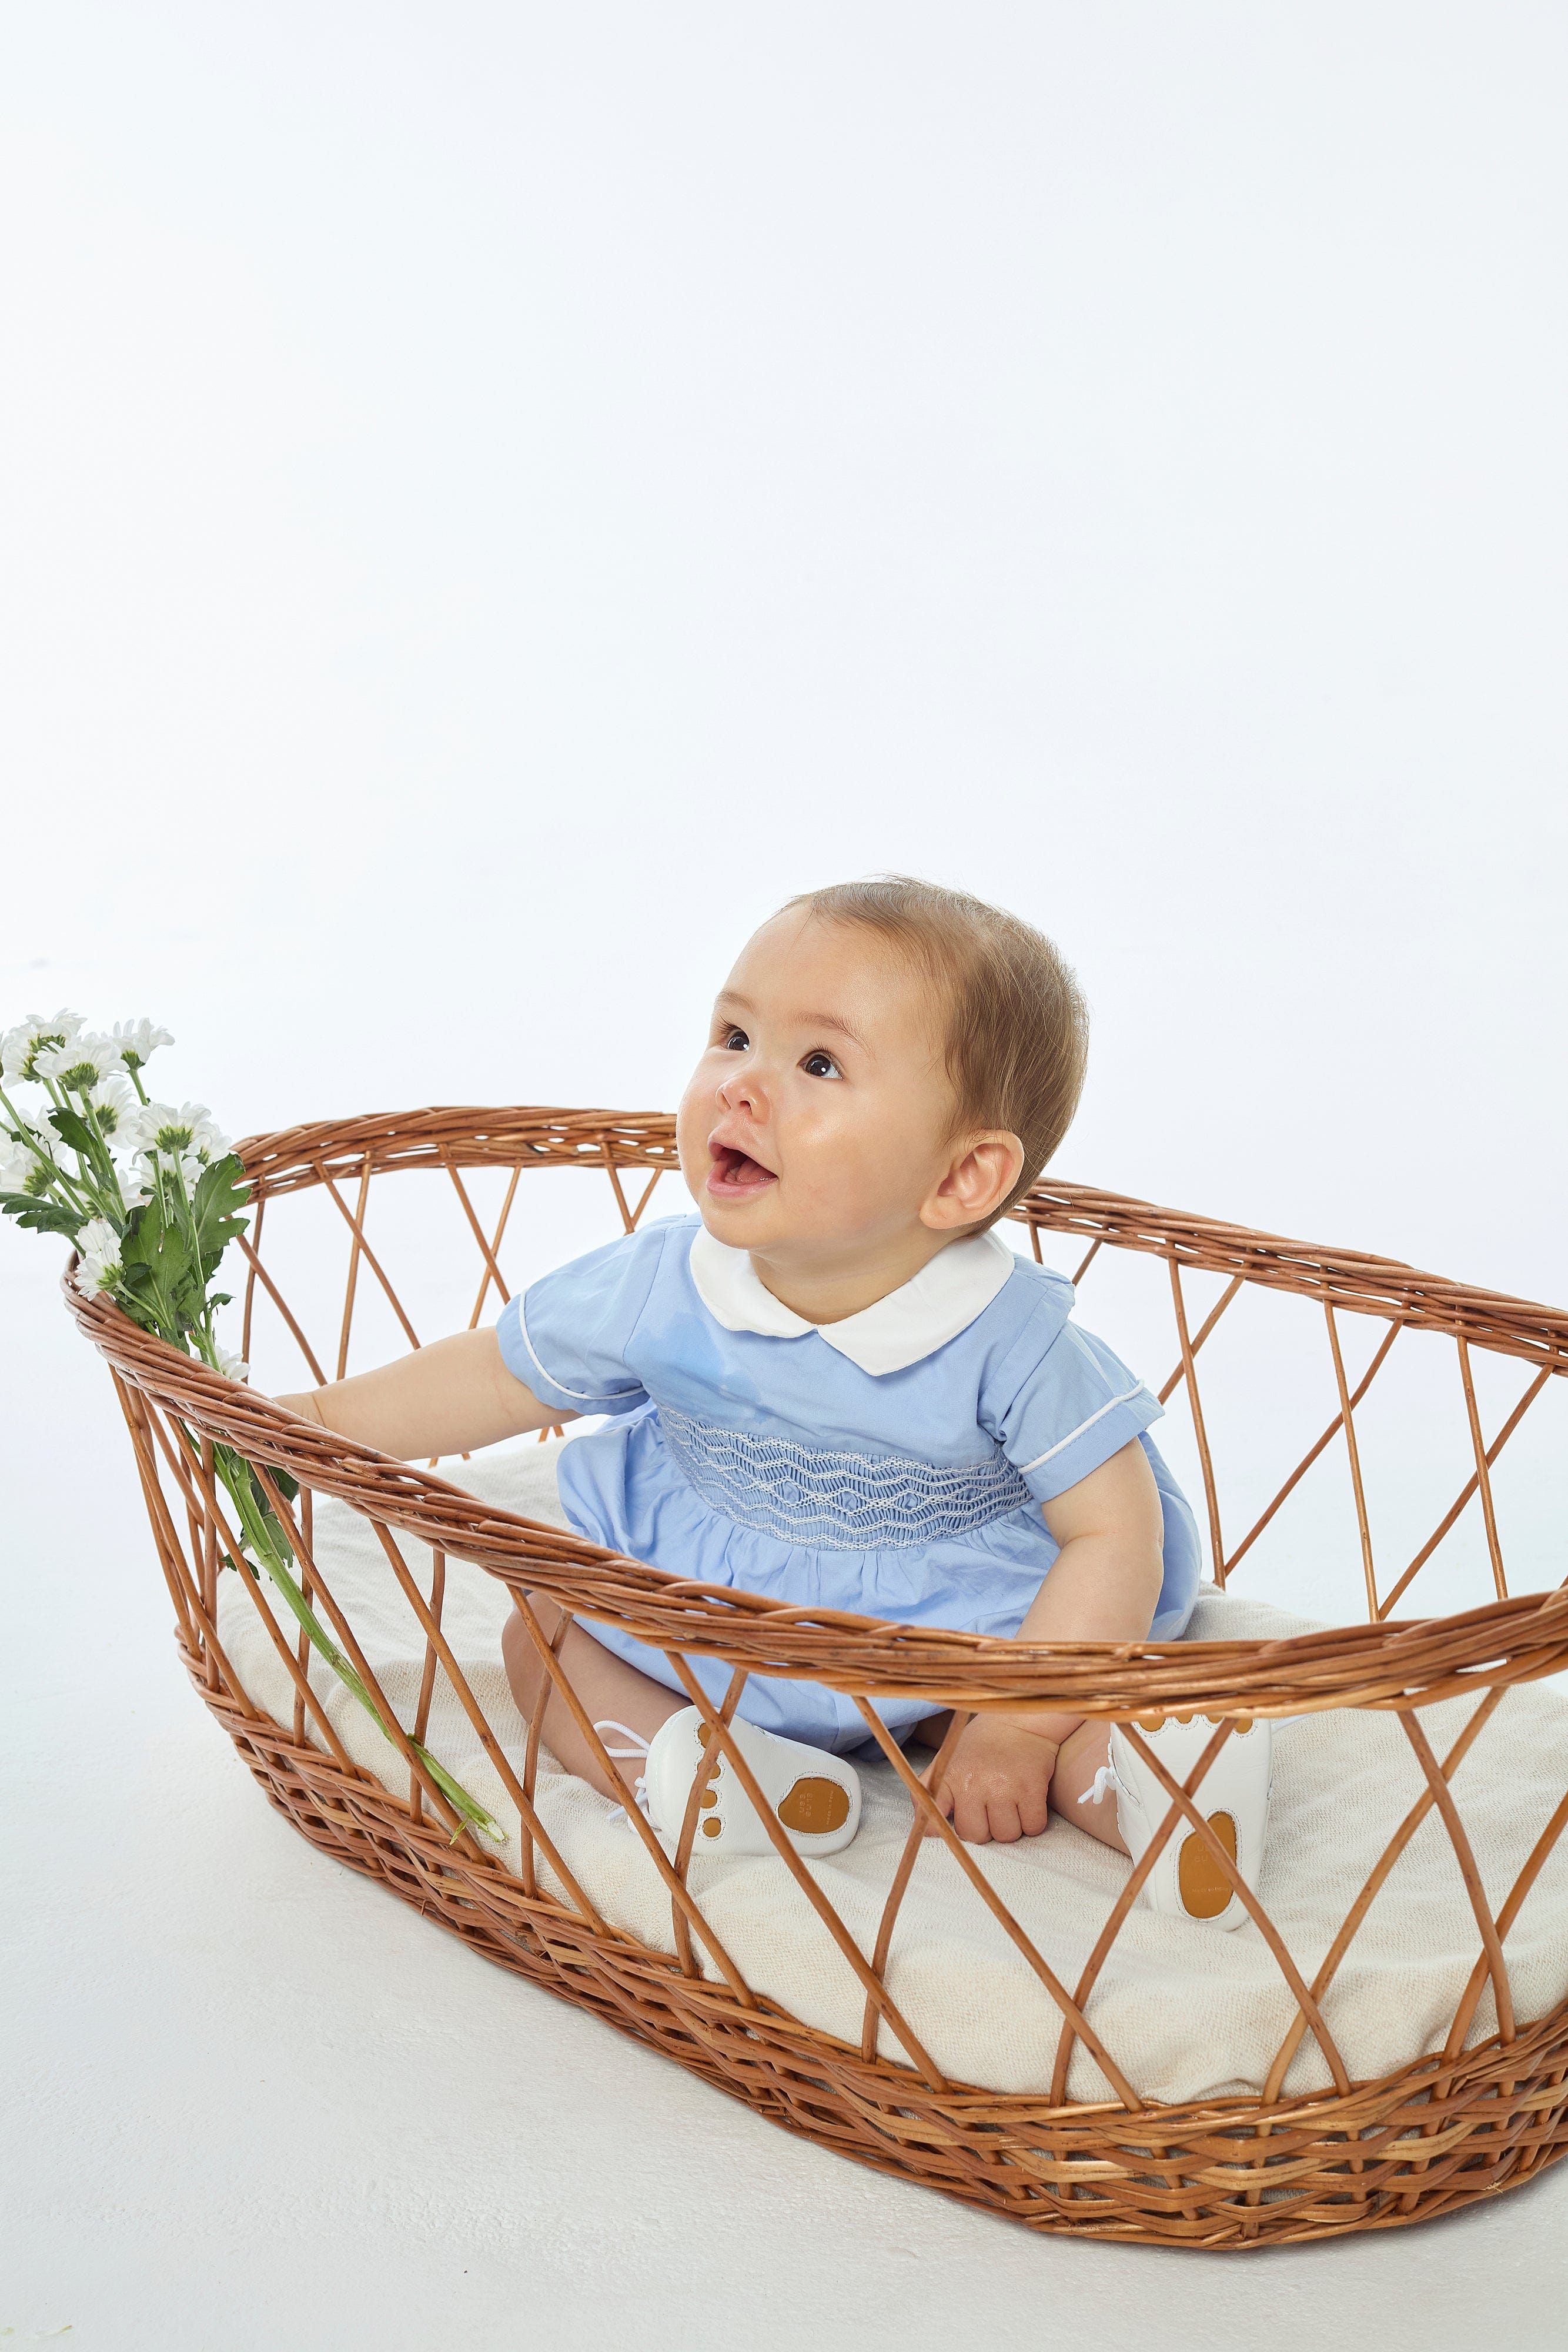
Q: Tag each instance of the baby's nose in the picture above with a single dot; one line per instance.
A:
(741, 1089)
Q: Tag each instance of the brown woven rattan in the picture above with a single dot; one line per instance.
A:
(1460, 2123)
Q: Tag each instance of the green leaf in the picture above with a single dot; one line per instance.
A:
(74, 1129)
(159, 1271)
(147, 1237)
(159, 1242)
(141, 1309)
(41, 1216)
(222, 1191)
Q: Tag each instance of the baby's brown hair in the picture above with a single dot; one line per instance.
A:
(1017, 1026)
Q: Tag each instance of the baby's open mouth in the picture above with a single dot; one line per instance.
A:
(734, 1175)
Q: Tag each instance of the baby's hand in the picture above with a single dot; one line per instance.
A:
(996, 1783)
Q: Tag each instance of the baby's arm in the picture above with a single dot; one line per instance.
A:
(449, 1397)
(1104, 1586)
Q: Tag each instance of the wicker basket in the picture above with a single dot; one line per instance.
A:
(1460, 2123)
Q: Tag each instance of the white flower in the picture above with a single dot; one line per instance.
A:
(79, 1063)
(28, 1163)
(98, 1247)
(17, 1167)
(141, 1174)
(98, 1243)
(230, 1365)
(163, 1134)
(134, 1186)
(32, 1127)
(20, 1044)
(138, 1041)
(111, 1099)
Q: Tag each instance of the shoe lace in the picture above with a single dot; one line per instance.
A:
(639, 1746)
(1105, 1779)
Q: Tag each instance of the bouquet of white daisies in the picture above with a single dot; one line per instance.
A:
(150, 1196)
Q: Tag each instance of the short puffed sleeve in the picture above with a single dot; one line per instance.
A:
(567, 1336)
(1061, 1414)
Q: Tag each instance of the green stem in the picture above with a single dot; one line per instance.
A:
(266, 1540)
(186, 1210)
(106, 1175)
(61, 1101)
(56, 1173)
(170, 1326)
(187, 1201)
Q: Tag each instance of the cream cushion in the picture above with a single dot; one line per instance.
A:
(1187, 2011)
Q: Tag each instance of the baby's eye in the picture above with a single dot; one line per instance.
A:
(736, 1041)
(821, 1066)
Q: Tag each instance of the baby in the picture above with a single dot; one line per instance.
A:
(837, 1385)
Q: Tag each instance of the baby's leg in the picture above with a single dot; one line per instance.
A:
(1077, 1759)
(608, 1688)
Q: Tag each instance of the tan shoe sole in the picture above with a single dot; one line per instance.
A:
(814, 1807)
(1205, 1889)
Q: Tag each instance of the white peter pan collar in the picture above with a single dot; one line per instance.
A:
(915, 1320)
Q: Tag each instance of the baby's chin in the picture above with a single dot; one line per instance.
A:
(752, 1222)
(767, 1223)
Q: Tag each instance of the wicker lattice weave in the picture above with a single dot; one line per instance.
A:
(1458, 2124)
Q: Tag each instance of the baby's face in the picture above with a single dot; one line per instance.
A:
(818, 1115)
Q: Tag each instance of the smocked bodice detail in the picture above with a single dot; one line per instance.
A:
(833, 1501)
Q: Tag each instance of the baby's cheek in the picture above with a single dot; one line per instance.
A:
(857, 1178)
(693, 1121)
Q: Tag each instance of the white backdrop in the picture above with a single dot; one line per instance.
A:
(495, 498)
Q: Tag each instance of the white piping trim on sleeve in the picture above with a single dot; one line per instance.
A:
(1024, 1467)
(582, 1396)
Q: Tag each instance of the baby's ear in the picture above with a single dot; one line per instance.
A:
(980, 1175)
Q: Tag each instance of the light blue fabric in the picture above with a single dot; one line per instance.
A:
(775, 1464)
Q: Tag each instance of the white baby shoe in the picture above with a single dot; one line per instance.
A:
(1233, 1798)
(816, 1797)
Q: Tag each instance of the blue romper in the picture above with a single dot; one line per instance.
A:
(892, 1463)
